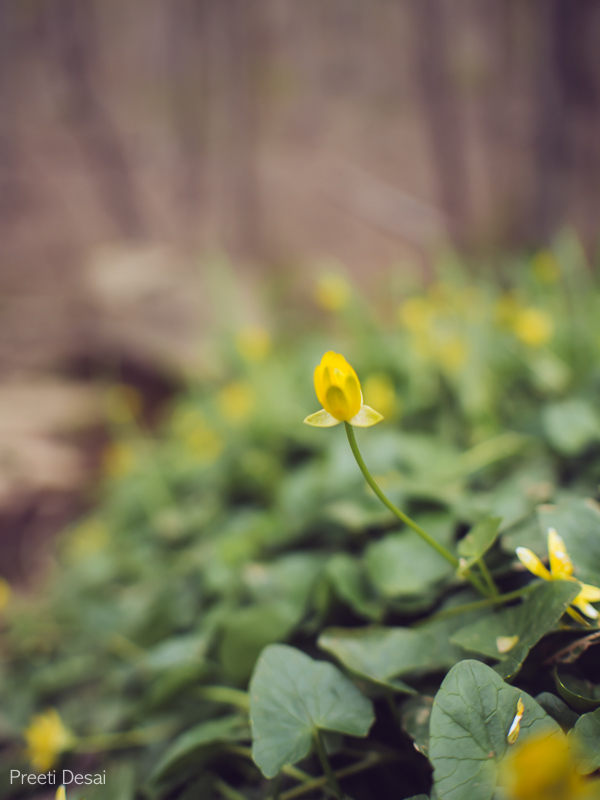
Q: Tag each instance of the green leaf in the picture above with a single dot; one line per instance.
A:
(472, 713)
(579, 693)
(382, 654)
(248, 631)
(571, 425)
(557, 709)
(538, 614)
(479, 540)
(216, 731)
(585, 737)
(291, 698)
(415, 716)
(349, 582)
(402, 564)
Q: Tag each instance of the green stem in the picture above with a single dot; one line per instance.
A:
(228, 791)
(484, 603)
(487, 577)
(124, 739)
(316, 783)
(439, 548)
(329, 773)
(225, 694)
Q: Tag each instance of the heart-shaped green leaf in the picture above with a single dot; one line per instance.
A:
(472, 714)
(524, 624)
(586, 738)
(291, 698)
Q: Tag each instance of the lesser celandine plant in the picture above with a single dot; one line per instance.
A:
(338, 390)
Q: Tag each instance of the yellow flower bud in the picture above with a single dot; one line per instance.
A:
(338, 390)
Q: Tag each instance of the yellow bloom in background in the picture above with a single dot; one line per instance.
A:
(87, 539)
(253, 343)
(380, 392)
(203, 443)
(506, 309)
(545, 267)
(451, 353)
(533, 326)
(236, 401)
(46, 737)
(61, 793)
(417, 314)
(118, 459)
(332, 292)
(5, 593)
(338, 390)
(561, 569)
(544, 768)
(123, 404)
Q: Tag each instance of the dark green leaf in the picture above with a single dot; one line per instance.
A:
(472, 714)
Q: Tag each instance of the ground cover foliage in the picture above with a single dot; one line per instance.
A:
(239, 617)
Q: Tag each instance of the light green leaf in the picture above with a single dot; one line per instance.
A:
(538, 614)
(479, 540)
(472, 713)
(214, 732)
(382, 654)
(291, 697)
(586, 738)
(349, 582)
(402, 564)
(571, 425)
(248, 631)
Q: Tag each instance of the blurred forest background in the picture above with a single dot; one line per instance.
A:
(137, 136)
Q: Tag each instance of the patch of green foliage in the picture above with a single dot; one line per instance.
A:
(239, 617)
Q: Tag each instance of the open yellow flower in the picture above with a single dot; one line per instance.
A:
(544, 768)
(46, 737)
(338, 390)
(561, 569)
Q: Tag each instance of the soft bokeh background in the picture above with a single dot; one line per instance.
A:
(163, 163)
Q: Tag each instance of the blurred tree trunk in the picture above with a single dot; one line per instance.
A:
(568, 100)
(75, 46)
(188, 63)
(241, 28)
(441, 109)
(12, 191)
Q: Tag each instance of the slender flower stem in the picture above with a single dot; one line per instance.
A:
(316, 783)
(487, 577)
(439, 548)
(331, 779)
(464, 608)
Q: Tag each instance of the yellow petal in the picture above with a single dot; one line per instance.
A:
(366, 417)
(533, 563)
(61, 793)
(506, 643)
(560, 563)
(589, 593)
(585, 608)
(321, 419)
(515, 727)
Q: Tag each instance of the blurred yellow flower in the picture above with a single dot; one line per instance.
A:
(451, 353)
(338, 390)
(380, 392)
(236, 401)
(417, 314)
(46, 737)
(561, 569)
(533, 326)
(118, 459)
(5, 593)
(506, 309)
(545, 267)
(253, 343)
(123, 404)
(544, 768)
(61, 793)
(203, 443)
(332, 292)
(87, 539)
